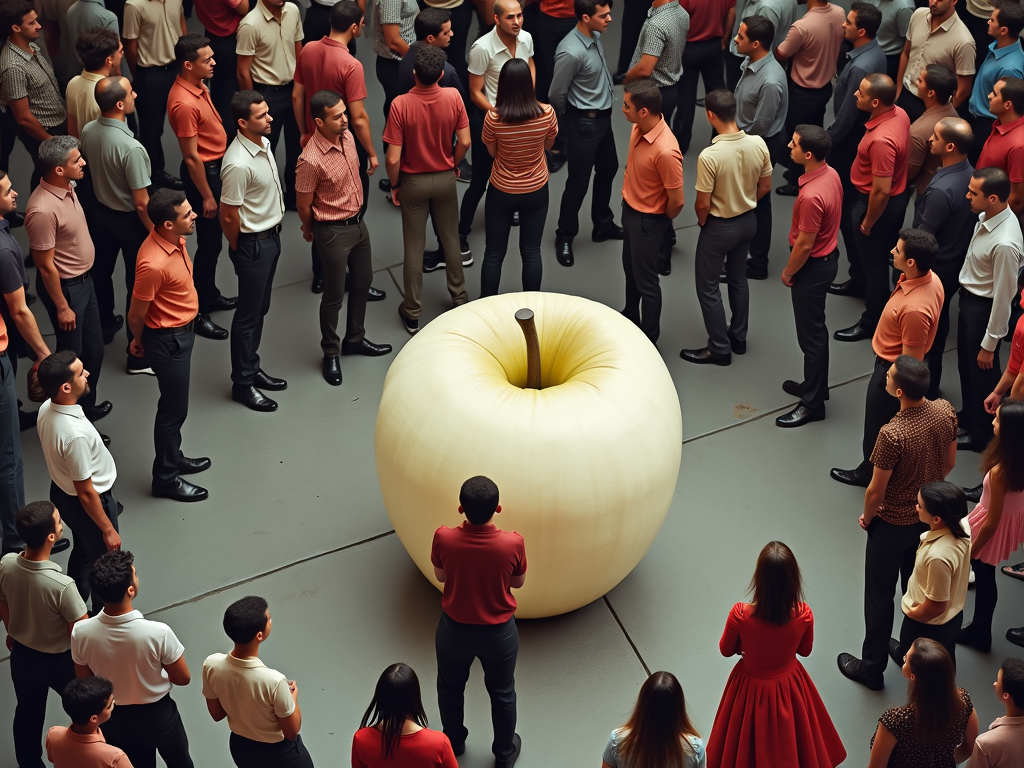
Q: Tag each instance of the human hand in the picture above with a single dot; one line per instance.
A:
(372, 164)
(866, 231)
(112, 540)
(135, 347)
(66, 319)
(863, 523)
(307, 234)
(394, 196)
(787, 280)
(209, 207)
(985, 359)
(458, 173)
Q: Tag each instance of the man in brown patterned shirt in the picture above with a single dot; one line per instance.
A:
(916, 447)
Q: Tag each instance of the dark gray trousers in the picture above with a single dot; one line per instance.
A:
(642, 238)
(86, 338)
(342, 247)
(724, 242)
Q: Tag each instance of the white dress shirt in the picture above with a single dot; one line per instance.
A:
(249, 179)
(990, 270)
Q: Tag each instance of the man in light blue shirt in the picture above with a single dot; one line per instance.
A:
(1004, 58)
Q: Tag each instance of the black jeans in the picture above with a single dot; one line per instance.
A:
(986, 593)
(761, 244)
(550, 31)
(700, 59)
(873, 251)
(669, 102)
(387, 76)
(255, 263)
(482, 163)
(634, 14)
(724, 243)
(949, 275)
(279, 101)
(841, 156)
(114, 232)
(643, 233)
(88, 538)
(287, 753)
(12, 471)
(170, 356)
(733, 69)
(142, 730)
(590, 147)
(806, 106)
(208, 236)
(153, 85)
(224, 82)
(976, 383)
(34, 674)
(497, 646)
(888, 556)
(86, 338)
(498, 212)
(810, 287)
(879, 408)
(944, 634)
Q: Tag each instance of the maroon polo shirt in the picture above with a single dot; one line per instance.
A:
(883, 151)
(326, 64)
(817, 209)
(707, 18)
(1004, 148)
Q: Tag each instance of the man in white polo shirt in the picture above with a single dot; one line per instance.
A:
(82, 471)
(38, 603)
(261, 705)
(141, 658)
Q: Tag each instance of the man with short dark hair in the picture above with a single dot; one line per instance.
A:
(100, 51)
(935, 87)
(1004, 58)
(1002, 745)
(433, 28)
(1004, 147)
(781, 13)
(89, 703)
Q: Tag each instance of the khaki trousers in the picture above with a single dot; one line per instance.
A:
(342, 247)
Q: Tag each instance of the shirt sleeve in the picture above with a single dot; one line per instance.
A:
(527, 44)
(14, 84)
(137, 169)
(207, 690)
(611, 750)
(394, 130)
(307, 176)
(769, 102)
(10, 276)
(886, 454)
(245, 39)
(933, 211)
(915, 328)
(883, 158)
(148, 282)
(918, 148)
(171, 648)
(552, 119)
(812, 213)
(232, 184)
(1015, 164)
(76, 646)
(77, 460)
(937, 580)
(184, 120)
(980, 757)
(521, 547)
(705, 175)
(297, 34)
(461, 116)
(41, 227)
(487, 134)
(846, 114)
(435, 550)
(477, 63)
(670, 169)
(793, 43)
(132, 22)
(767, 166)
(652, 43)
(964, 56)
(1005, 263)
(1017, 349)
(284, 705)
(355, 83)
(72, 606)
(565, 69)
(389, 11)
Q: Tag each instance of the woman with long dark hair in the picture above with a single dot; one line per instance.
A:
(997, 523)
(516, 132)
(394, 729)
(659, 733)
(938, 724)
(771, 713)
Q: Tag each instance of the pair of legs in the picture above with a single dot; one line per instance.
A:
(142, 730)
(810, 287)
(499, 210)
(12, 471)
(170, 355)
(279, 101)
(642, 237)
(873, 251)
(879, 408)
(255, 264)
(724, 242)
(761, 244)
(153, 85)
(482, 163)
(89, 545)
(114, 232)
(86, 338)
(986, 594)
(34, 675)
(590, 148)
(949, 275)
(209, 236)
(701, 59)
(806, 107)
(976, 383)
(343, 247)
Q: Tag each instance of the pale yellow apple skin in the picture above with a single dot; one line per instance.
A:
(586, 466)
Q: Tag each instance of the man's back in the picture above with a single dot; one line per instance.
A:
(423, 122)
(407, 80)
(729, 169)
(253, 695)
(1001, 746)
(326, 64)
(42, 600)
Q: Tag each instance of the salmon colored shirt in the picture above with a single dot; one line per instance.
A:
(817, 209)
(655, 165)
(191, 113)
(163, 277)
(910, 317)
(812, 46)
(883, 151)
(422, 122)
(67, 749)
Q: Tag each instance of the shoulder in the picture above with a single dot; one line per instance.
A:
(899, 721)
(214, 660)
(965, 699)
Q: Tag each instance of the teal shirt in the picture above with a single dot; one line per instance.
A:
(117, 162)
(999, 63)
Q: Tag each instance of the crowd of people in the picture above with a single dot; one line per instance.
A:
(928, 104)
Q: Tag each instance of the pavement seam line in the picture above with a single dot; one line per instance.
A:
(625, 634)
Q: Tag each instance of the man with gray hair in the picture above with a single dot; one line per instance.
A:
(62, 248)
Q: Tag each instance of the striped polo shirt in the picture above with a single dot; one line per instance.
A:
(520, 165)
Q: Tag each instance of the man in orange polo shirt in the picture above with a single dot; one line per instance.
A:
(1004, 148)
(163, 316)
(200, 131)
(907, 327)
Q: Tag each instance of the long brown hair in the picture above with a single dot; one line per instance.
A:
(657, 730)
(516, 101)
(1006, 450)
(776, 584)
(932, 693)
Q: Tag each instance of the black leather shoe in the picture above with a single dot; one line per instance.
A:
(1016, 636)
(738, 347)
(252, 398)
(165, 180)
(856, 332)
(99, 410)
(332, 370)
(223, 304)
(849, 666)
(705, 356)
(364, 347)
(895, 652)
(664, 266)
(27, 420)
(611, 232)
(105, 439)
(563, 251)
(372, 294)
(15, 219)
(384, 185)
(756, 273)
(517, 745)
(59, 546)
(411, 326)
(974, 638)
(848, 288)
(515, 219)
(459, 749)
(111, 330)
(555, 161)
(794, 388)
(208, 329)
(974, 494)
(848, 476)
(264, 380)
(187, 466)
(317, 286)
(181, 490)
(799, 416)
(618, 78)
(788, 190)
(968, 443)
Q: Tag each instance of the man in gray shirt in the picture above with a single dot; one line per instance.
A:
(781, 13)
(581, 94)
(892, 33)
(762, 99)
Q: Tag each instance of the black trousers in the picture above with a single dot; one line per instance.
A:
(810, 287)
(873, 251)
(723, 243)
(208, 236)
(31, 144)
(669, 102)
(255, 263)
(733, 69)
(114, 232)
(982, 129)
(88, 539)
(892, 66)
(888, 556)
(12, 471)
(590, 147)
(879, 408)
(806, 107)
(86, 338)
(170, 357)
(498, 212)
(482, 164)
(317, 23)
(462, 20)
(986, 593)
(142, 730)
(841, 157)
(634, 14)
(949, 275)
(497, 646)
(153, 85)
(224, 83)
(247, 753)
(8, 135)
(702, 59)
(643, 235)
(279, 101)
(761, 245)
(34, 674)
(944, 634)
(387, 76)
(911, 104)
(550, 31)
(975, 383)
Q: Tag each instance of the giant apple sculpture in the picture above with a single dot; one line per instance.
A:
(586, 465)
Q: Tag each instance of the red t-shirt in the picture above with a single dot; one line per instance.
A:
(817, 209)
(422, 122)
(707, 18)
(1004, 148)
(883, 151)
(479, 563)
(218, 17)
(423, 749)
(1017, 346)
(326, 64)
(560, 9)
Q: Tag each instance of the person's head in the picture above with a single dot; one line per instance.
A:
(932, 688)
(776, 584)
(942, 504)
(810, 144)
(274, 4)
(88, 700)
(328, 112)
(38, 523)
(395, 700)
(915, 252)
(8, 197)
(1006, 449)
(516, 101)
(434, 26)
(428, 66)
(251, 114)
(346, 16)
(659, 724)
(594, 15)
(720, 105)
(1007, 98)
(908, 378)
(754, 37)
(1009, 683)
(113, 578)
(951, 136)
(641, 100)
(936, 82)
(19, 20)
(114, 96)
(60, 159)
(508, 16)
(876, 92)
(247, 620)
(941, 9)
(99, 49)
(988, 190)
(62, 375)
(862, 23)
(1007, 20)
(194, 56)
(478, 500)
(171, 213)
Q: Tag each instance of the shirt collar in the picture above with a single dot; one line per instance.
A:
(587, 41)
(652, 135)
(991, 222)
(5, 226)
(123, 618)
(806, 177)
(59, 192)
(855, 52)
(929, 535)
(253, 662)
(755, 66)
(69, 410)
(1014, 47)
(119, 124)
(1004, 720)
(195, 90)
(323, 146)
(37, 565)
(251, 148)
(880, 119)
(954, 168)
(169, 249)
(908, 285)
(946, 25)
(652, 11)
(499, 44)
(728, 137)
(21, 52)
(1005, 129)
(92, 77)
(333, 43)
(266, 12)
(85, 738)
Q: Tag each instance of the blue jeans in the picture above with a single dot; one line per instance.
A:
(499, 210)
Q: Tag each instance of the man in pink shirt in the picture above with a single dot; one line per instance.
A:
(1002, 745)
(89, 702)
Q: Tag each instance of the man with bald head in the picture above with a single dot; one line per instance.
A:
(120, 177)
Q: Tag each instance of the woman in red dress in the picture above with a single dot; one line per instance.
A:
(771, 713)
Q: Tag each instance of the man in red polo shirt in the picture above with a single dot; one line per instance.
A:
(1004, 147)
(813, 264)
(479, 565)
(879, 174)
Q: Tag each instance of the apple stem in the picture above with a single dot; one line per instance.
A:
(525, 319)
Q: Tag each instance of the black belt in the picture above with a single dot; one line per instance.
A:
(965, 294)
(882, 361)
(187, 328)
(164, 67)
(570, 109)
(67, 281)
(264, 88)
(344, 222)
(213, 165)
(262, 235)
